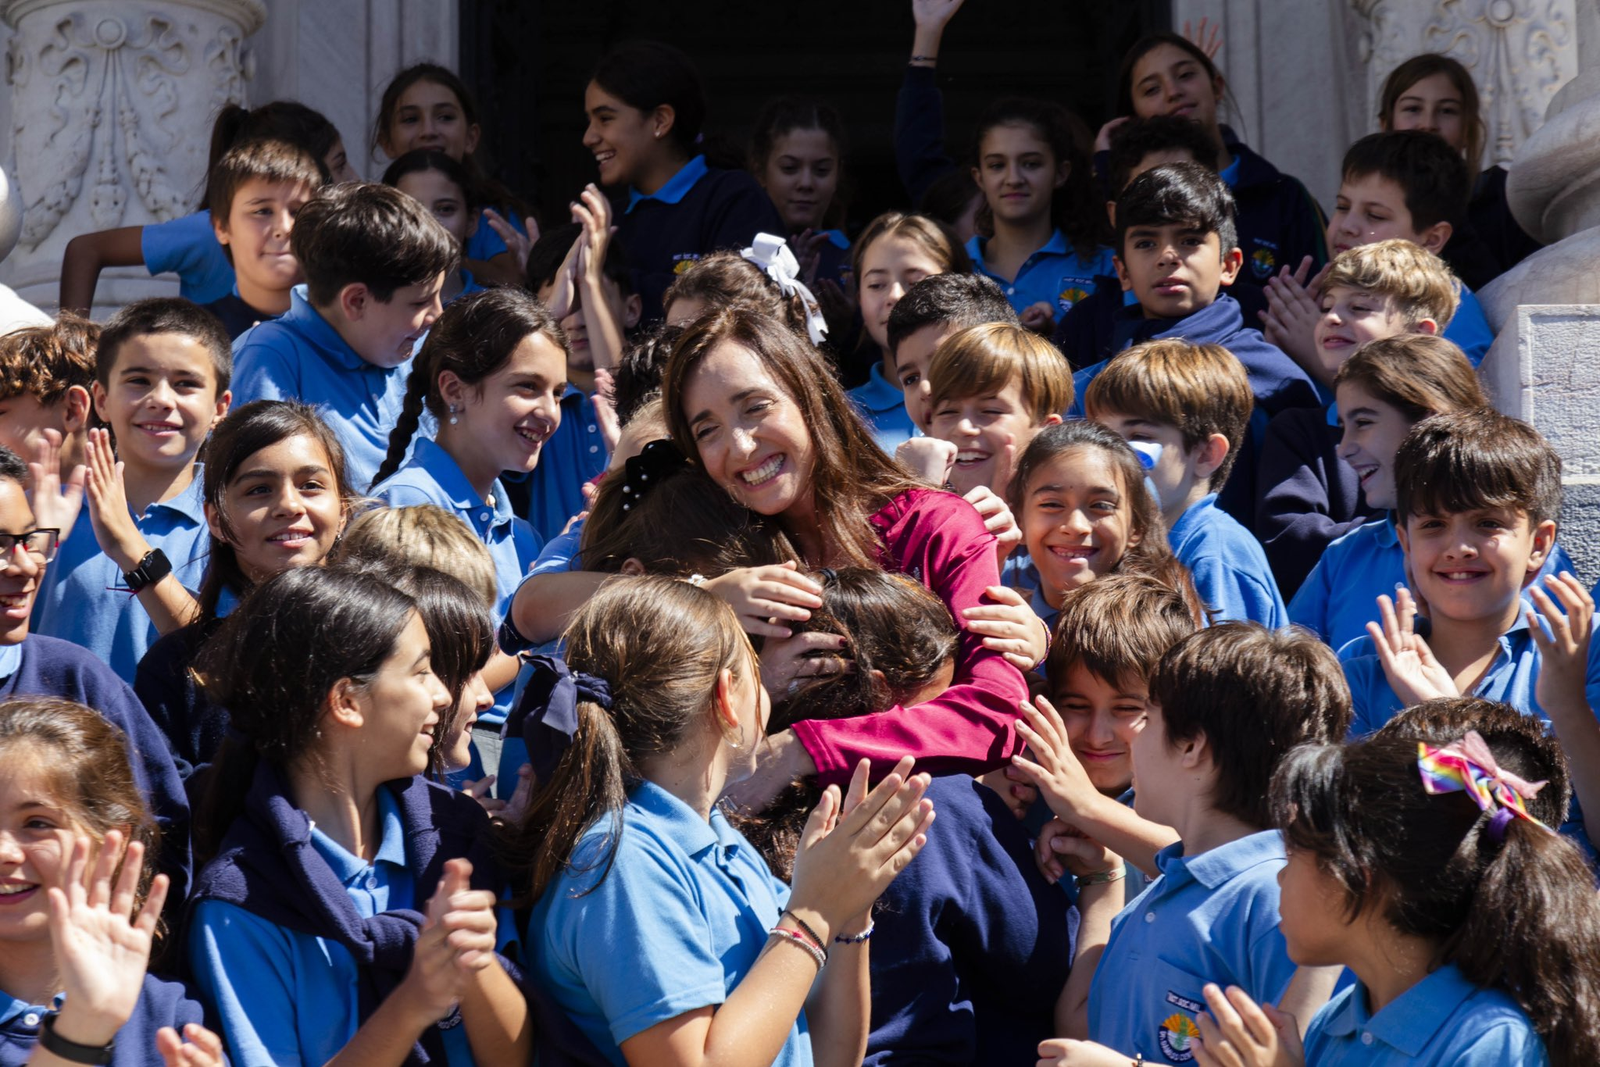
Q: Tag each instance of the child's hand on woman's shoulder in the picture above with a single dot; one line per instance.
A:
(928, 458)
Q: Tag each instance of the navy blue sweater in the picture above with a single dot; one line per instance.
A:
(723, 210)
(193, 726)
(972, 946)
(56, 668)
(919, 154)
(1279, 223)
(1276, 380)
(161, 1003)
(1308, 495)
(1491, 217)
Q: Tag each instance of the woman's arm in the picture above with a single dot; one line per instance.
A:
(87, 254)
(544, 603)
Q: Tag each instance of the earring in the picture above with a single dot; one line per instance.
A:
(453, 419)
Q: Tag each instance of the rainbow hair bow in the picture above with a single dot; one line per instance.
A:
(1467, 766)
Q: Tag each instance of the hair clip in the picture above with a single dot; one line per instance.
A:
(772, 254)
(1468, 766)
(655, 463)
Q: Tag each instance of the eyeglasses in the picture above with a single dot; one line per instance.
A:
(40, 544)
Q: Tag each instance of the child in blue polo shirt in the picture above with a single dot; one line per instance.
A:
(187, 246)
(428, 107)
(628, 857)
(1421, 865)
(1308, 495)
(893, 254)
(645, 104)
(1177, 249)
(1225, 704)
(1477, 499)
(255, 192)
(933, 309)
(1049, 243)
(1193, 401)
(797, 154)
(1409, 185)
(82, 907)
(491, 373)
(374, 261)
(348, 904)
(131, 559)
(445, 188)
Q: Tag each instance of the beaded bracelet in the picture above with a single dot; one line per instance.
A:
(859, 939)
(817, 942)
(795, 937)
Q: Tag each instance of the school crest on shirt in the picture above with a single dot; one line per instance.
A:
(1178, 1031)
(1264, 260)
(1071, 289)
(682, 261)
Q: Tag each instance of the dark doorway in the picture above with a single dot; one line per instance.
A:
(529, 60)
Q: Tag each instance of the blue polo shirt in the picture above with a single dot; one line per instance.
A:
(188, 247)
(432, 476)
(1207, 918)
(1230, 568)
(83, 598)
(285, 997)
(552, 493)
(1469, 328)
(1339, 597)
(485, 244)
(687, 905)
(1019, 573)
(300, 356)
(1055, 274)
(1442, 1021)
(882, 406)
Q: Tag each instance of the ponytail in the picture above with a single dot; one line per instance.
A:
(1518, 914)
(590, 783)
(405, 427)
(658, 645)
(1533, 930)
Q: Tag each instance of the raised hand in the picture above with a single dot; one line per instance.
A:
(934, 14)
(100, 941)
(845, 861)
(1039, 317)
(456, 942)
(1209, 43)
(56, 504)
(1238, 1032)
(1408, 663)
(517, 243)
(113, 524)
(197, 1047)
(1061, 779)
(1564, 650)
(1010, 627)
(1290, 321)
(764, 597)
(927, 458)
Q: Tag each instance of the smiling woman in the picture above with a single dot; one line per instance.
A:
(758, 409)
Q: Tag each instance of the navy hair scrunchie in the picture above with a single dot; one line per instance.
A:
(655, 463)
(546, 715)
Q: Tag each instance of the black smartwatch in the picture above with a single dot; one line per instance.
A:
(57, 1045)
(154, 567)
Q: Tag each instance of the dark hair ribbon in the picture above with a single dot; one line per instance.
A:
(655, 463)
(546, 715)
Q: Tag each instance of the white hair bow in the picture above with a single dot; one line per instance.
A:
(771, 253)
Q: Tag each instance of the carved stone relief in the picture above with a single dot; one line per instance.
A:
(111, 110)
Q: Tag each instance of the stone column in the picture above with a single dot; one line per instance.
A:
(111, 106)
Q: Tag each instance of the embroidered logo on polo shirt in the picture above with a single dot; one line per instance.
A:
(1263, 262)
(1073, 289)
(1177, 1032)
(682, 261)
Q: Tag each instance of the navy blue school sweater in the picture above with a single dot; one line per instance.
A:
(1307, 495)
(1279, 222)
(1491, 217)
(725, 209)
(972, 946)
(919, 154)
(161, 1003)
(1276, 380)
(193, 726)
(55, 668)
(1087, 331)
